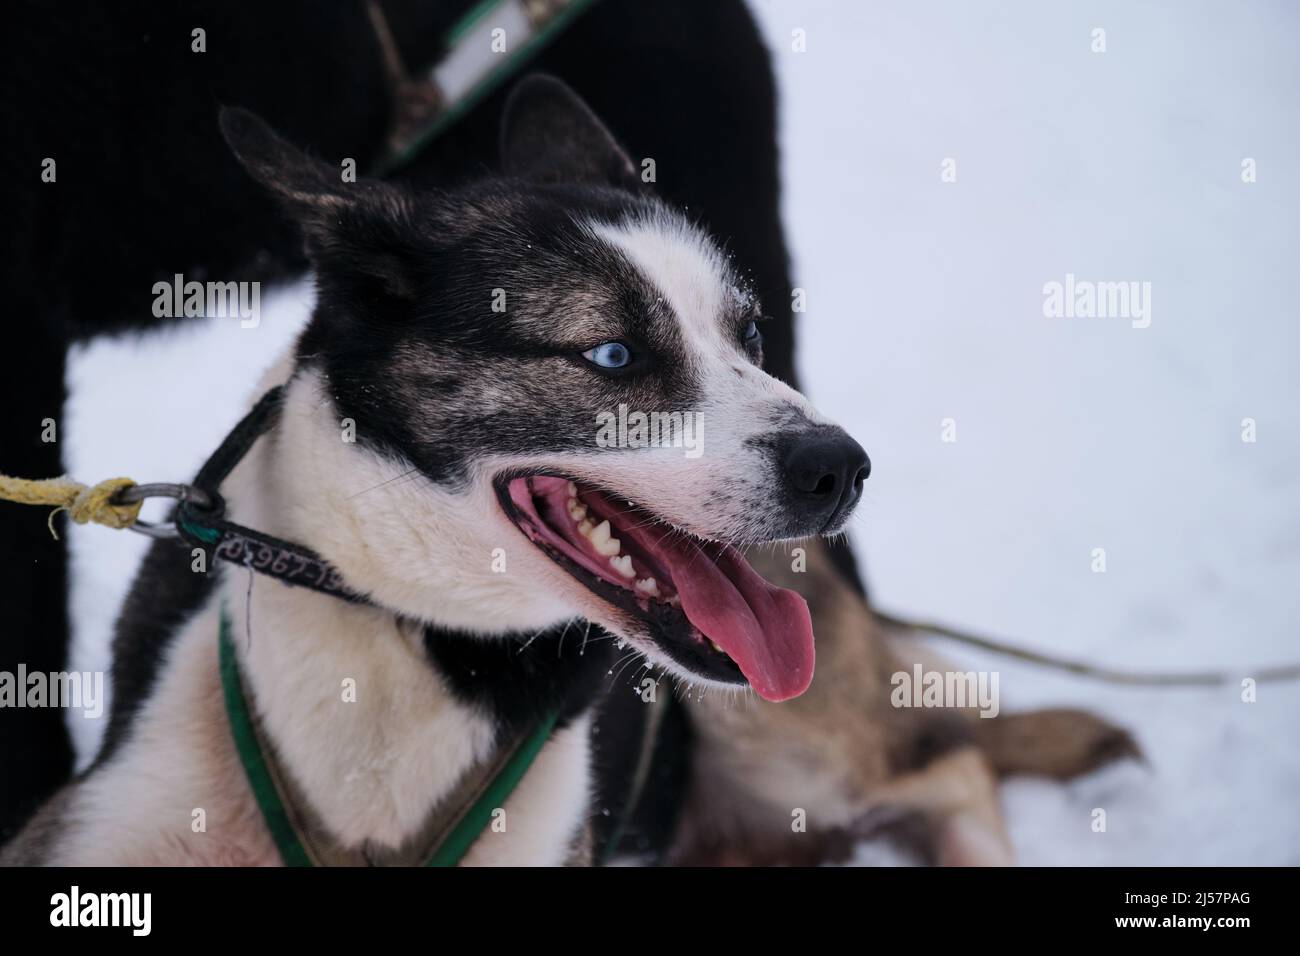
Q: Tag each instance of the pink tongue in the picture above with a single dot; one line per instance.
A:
(766, 630)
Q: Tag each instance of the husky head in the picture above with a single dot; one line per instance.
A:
(566, 376)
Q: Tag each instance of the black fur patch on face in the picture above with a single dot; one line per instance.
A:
(480, 350)
(517, 679)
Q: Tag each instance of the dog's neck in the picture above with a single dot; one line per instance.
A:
(374, 710)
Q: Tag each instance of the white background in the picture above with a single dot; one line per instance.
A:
(924, 303)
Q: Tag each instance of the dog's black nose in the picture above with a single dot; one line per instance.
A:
(824, 470)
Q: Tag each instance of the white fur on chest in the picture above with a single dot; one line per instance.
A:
(374, 767)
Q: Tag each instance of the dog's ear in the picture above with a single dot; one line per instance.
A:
(548, 134)
(354, 230)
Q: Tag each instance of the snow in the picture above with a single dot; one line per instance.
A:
(925, 303)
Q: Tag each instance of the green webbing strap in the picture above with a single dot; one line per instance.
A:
(510, 64)
(451, 846)
(251, 756)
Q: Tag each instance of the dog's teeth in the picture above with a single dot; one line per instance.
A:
(648, 586)
(573, 490)
(585, 527)
(717, 648)
(602, 542)
(577, 510)
(623, 565)
(674, 600)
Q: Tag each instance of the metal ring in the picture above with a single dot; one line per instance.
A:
(184, 493)
(155, 530)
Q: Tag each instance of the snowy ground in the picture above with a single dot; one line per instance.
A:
(925, 303)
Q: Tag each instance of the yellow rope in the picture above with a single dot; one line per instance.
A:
(83, 503)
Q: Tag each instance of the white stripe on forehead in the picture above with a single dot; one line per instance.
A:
(682, 264)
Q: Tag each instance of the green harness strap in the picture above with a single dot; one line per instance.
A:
(251, 756)
(456, 838)
(452, 848)
(548, 21)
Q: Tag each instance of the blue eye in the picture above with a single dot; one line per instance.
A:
(609, 355)
(751, 333)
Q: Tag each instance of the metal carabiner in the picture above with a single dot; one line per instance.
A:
(183, 493)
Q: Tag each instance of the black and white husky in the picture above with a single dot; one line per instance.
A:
(475, 344)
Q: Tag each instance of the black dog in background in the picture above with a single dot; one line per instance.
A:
(143, 189)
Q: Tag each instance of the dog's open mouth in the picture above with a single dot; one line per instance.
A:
(706, 607)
